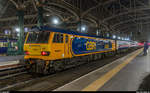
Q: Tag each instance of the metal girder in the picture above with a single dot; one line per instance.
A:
(133, 19)
(132, 25)
(124, 13)
(14, 3)
(70, 9)
(34, 4)
(4, 9)
(75, 16)
(15, 18)
(98, 5)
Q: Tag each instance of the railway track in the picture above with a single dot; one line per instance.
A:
(24, 81)
(11, 75)
(15, 80)
(12, 70)
(15, 75)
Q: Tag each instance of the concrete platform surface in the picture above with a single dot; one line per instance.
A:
(10, 60)
(124, 74)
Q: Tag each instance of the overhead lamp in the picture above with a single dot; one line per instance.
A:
(83, 28)
(97, 32)
(6, 32)
(114, 36)
(26, 29)
(128, 39)
(17, 29)
(55, 20)
(47, 15)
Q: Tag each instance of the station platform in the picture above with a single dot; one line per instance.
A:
(9, 60)
(124, 74)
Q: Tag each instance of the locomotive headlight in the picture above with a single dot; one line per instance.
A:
(45, 53)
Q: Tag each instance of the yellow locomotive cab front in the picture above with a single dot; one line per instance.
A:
(37, 45)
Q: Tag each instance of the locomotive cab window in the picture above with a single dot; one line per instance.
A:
(58, 38)
(38, 37)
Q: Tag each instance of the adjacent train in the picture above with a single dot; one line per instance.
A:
(4, 44)
(50, 49)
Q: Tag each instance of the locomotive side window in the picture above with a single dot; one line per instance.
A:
(66, 39)
(58, 38)
(55, 38)
(61, 38)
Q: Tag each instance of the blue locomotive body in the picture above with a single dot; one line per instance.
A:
(86, 45)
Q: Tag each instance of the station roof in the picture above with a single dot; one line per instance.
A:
(120, 17)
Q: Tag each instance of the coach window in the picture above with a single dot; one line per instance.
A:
(5, 44)
(66, 39)
(1, 44)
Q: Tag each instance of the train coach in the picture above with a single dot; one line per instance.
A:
(4, 44)
(50, 49)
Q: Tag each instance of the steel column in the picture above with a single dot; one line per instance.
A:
(40, 16)
(21, 33)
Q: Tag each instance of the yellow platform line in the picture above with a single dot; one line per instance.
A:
(102, 80)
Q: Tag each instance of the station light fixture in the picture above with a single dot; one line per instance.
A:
(17, 29)
(83, 28)
(107, 34)
(55, 20)
(119, 38)
(97, 32)
(6, 32)
(47, 14)
(128, 39)
(114, 36)
(26, 29)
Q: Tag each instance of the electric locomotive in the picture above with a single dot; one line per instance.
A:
(50, 49)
